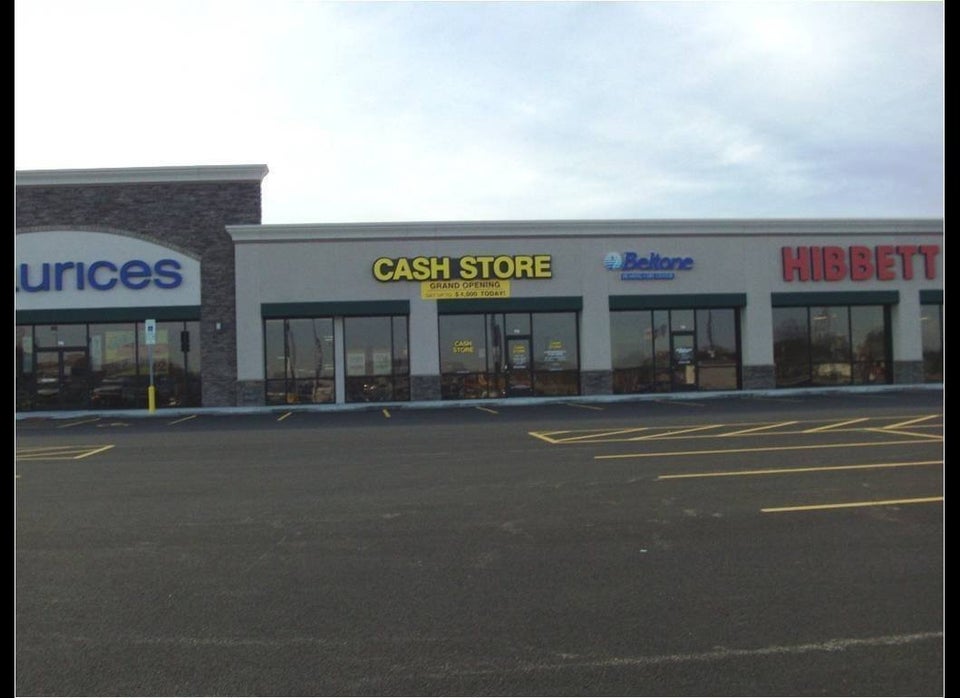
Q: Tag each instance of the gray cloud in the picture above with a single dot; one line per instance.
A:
(430, 110)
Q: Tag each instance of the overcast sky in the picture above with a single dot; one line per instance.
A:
(417, 111)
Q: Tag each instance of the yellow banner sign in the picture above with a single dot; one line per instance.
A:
(486, 288)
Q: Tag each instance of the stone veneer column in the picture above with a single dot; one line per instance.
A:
(596, 382)
(758, 377)
(907, 372)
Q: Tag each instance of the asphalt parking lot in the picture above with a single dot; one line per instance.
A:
(749, 545)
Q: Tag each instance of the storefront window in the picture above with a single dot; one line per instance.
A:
(107, 366)
(631, 344)
(299, 360)
(517, 323)
(509, 354)
(556, 359)
(661, 351)
(831, 345)
(718, 359)
(868, 337)
(377, 359)
(665, 350)
(791, 347)
(463, 357)
(931, 321)
(52, 336)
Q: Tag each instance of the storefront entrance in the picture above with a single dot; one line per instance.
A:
(510, 353)
(519, 372)
(683, 361)
(675, 349)
(95, 365)
(62, 378)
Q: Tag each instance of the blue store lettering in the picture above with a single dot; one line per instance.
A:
(631, 260)
(101, 275)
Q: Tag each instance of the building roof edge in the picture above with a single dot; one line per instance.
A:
(143, 175)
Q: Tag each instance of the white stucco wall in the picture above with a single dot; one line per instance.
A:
(328, 263)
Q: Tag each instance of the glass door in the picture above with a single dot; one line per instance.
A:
(683, 361)
(519, 369)
(63, 378)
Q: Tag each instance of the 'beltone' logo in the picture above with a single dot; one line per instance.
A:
(100, 275)
(652, 267)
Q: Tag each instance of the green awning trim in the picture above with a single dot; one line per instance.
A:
(678, 301)
(332, 308)
(811, 298)
(932, 297)
(66, 316)
(542, 304)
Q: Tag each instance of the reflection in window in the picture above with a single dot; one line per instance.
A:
(791, 347)
(299, 359)
(107, 366)
(931, 327)
(868, 344)
(718, 358)
(473, 361)
(51, 336)
(556, 355)
(462, 344)
(631, 339)
(377, 359)
(831, 345)
(641, 344)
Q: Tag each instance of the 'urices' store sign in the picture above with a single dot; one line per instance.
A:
(859, 263)
(80, 269)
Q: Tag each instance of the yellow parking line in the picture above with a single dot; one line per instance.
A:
(487, 409)
(51, 457)
(386, 413)
(542, 437)
(184, 419)
(91, 453)
(754, 429)
(911, 421)
(34, 450)
(59, 452)
(674, 433)
(834, 426)
(597, 435)
(888, 430)
(284, 416)
(844, 505)
(779, 471)
(73, 424)
(585, 407)
(756, 450)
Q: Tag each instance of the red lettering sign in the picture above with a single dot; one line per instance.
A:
(857, 262)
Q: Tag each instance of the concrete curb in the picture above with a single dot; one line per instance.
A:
(486, 402)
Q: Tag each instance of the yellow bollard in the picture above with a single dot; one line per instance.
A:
(152, 398)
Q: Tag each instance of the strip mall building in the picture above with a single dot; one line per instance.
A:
(127, 278)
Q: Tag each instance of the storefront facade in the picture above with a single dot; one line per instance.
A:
(99, 252)
(250, 314)
(566, 308)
